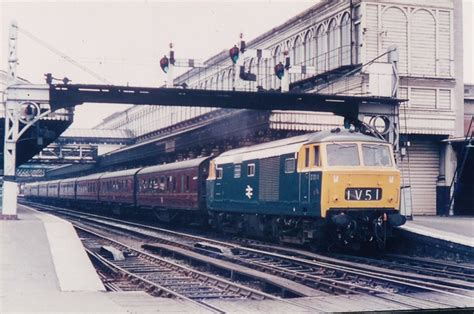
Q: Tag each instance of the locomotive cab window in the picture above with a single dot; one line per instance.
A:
(289, 165)
(376, 155)
(342, 154)
(250, 170)
(317, 158)
(306, 157)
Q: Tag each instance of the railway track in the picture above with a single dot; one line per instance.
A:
(139, 270)
(416, 265)
(319, 272)
(413, 268)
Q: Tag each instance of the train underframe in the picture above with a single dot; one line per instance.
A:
(341, 228)
(347, 228)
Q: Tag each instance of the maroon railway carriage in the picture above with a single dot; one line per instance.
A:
(118, 187)
(34, 189)
(173, 187)
(67, 189)
(53, 189)
(43, 189)
(87, 188)
(26, 190)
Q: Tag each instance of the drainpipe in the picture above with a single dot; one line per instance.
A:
(351, 9)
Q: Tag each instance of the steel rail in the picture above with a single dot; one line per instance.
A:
(150, 285)
(241, 291)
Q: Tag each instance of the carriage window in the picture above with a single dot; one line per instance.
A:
(187, 183)
(219, 173)
(306, 157)
(162, 183)
(237, 171)
(343, 155)
(174, 184)
(376, 155)
(182, 183)
(251, 170)
(289, 165)
(317, 159)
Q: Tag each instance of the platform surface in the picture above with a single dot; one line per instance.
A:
(42, 270)
(454, 229)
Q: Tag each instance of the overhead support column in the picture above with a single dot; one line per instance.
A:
(9, 204)
(22, 110)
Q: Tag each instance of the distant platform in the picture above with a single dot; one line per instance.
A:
(458, 230)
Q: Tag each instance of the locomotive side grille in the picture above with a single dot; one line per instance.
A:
(269, 181)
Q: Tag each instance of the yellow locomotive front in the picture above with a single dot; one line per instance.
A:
(360, 189)
(362, 197)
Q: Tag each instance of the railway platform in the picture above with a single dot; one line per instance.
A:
(459, 230)
(44, 268)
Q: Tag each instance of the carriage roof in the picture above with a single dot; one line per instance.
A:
(191, 163)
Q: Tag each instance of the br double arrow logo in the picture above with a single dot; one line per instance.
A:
(249, 191)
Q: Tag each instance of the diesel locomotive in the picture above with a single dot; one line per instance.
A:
(323, 188)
